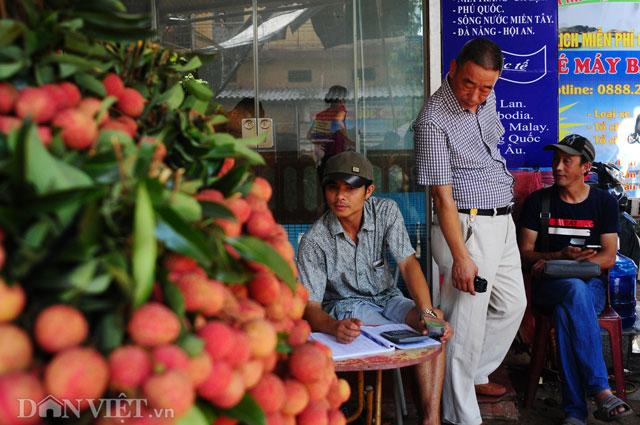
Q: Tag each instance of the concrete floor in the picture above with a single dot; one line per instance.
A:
(546, 409)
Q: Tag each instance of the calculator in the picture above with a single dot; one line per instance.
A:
(404, 336)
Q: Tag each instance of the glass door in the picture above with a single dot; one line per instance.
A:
(319, 77)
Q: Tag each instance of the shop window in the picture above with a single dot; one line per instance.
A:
(290, 178)
(369, 73)
(310, 183)
(299, 75)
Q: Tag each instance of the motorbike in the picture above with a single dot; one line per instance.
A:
(610, 178)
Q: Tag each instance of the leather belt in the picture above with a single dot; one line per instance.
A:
(488, 211)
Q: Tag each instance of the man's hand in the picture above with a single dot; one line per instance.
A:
(417, 323)
(347, 330)
(463, 273)
(578, 254)
(537, 268)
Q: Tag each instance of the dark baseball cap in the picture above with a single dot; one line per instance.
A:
(574, 144)
(351, 167)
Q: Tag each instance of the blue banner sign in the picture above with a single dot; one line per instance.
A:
(527, 90)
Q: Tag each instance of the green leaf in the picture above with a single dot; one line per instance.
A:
(173, 297)
(173, 97)
(254, 249)
(216, 210)
(283, 343)
(46, 173)
(232, 180)
(143, 161)
(116, 264)
(247, 412)
(192, 344)
(44, 74)
(9, 69)
(180, 237)
(78, 61)
(63, 198)
(194, 63)
(145, 247)
(199, 89)
(110, 332)
(67, 70)
(9, 31)
(36, 234)
(90, 83)
(186, 206)
(193, 416)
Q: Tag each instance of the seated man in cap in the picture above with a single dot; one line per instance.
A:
(582, 225)
(341, 260)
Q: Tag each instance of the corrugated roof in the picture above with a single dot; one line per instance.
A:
(287, 94)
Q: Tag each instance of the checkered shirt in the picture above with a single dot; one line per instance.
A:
(338, 273)
(457, 147)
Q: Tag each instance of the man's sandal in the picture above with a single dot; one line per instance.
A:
(608, 409)
(570, 420)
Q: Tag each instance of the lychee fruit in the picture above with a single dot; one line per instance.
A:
(15, 349)
(60, 326)
(130, 365)
(153, 324)
(113, 84)
(36, 103)
(12, 300)
(264, 288)
(8, 97)
(261, 189)
(218, 339)
(131, 102)
(16, 386)
(170, 390)
(78, 130)
(269, 393)
(262, 337)
(307, 363)
(167, 357)
(77, 373)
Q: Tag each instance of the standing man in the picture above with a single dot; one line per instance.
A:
(342, 261)
(582, 226)
(456, 138)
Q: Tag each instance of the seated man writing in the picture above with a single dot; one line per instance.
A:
(341, 260)
(582, 225)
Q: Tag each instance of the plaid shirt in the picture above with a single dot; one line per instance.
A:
(457, 147)
(338, 273)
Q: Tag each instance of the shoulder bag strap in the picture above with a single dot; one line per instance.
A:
(545, 215)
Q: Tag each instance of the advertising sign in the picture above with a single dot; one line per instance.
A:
(527, 90)
(598, 66)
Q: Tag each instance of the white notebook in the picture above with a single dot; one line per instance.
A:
(369, 343)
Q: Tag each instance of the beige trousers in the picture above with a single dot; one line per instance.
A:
(485, 324)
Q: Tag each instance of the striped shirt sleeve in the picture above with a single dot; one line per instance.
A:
(433, 155)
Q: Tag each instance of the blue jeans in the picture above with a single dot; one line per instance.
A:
(576, 305)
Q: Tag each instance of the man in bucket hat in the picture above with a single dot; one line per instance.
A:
(574, 221)
(342, 262)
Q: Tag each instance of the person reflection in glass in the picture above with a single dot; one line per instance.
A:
(328, 132)
(635, 136)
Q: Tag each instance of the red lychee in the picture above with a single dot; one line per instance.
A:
(77, 373)
(261, 189)
(8, 97)
(131, 102)
(78, 130)
(153, 324)
(60, 326)
(113, 84)
(17, 386)
(170, 390)
(269, 393)
(130, 366)
(12, 300)
(36, 103)
(15, 349)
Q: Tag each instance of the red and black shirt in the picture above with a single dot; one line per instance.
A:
(579, 224)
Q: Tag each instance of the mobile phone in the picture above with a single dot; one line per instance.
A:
(594, 246)
(403, 336)
(435, 327)
(479, 284)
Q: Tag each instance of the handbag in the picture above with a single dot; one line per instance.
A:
(558, 269)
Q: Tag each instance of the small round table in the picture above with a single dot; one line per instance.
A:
(379, 362)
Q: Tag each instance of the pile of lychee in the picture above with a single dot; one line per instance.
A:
(61, 108)
(240, 325)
